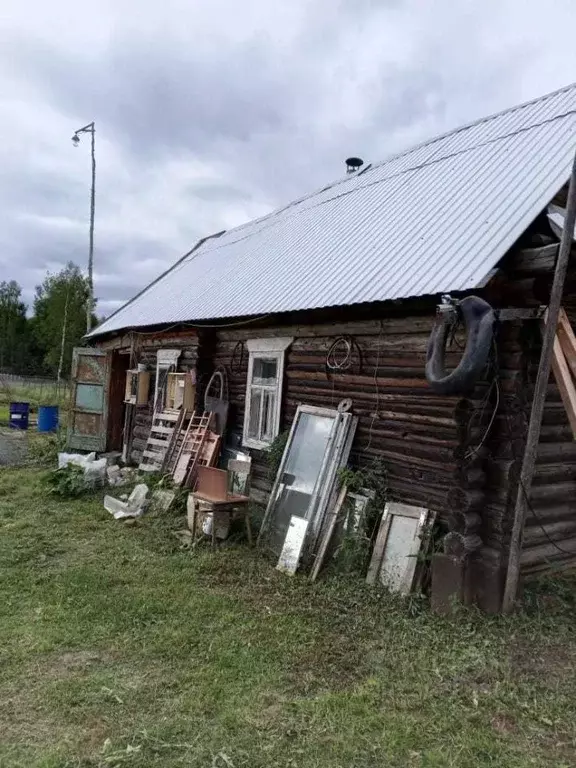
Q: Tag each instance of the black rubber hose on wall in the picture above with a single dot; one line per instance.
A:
(479, 319)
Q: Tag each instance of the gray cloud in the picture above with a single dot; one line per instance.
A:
(209, 114)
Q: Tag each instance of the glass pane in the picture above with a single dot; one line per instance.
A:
(90, 397)
(255, 405)
(307, 450)
(265, 371)
(269, 405)
(301, 473)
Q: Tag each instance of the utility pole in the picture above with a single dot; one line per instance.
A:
(91, 129)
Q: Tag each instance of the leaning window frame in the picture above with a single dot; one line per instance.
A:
(272, 348)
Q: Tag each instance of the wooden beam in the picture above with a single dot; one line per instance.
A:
(567, 340)
(520, 314)
(565, 383)
(328, 533)
(533, 436)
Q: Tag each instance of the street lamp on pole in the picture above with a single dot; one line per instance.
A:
(90, 128)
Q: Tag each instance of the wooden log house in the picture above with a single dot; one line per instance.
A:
(335, 297)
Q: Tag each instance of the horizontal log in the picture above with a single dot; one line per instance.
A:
(510, 382)
(464, 522)
(430, 460)
(536, 534)
(395, 383)
(469, 477)
(439, 478)
(387, 437)
(385, 327)
(461, 545)
(461, 500)
(556, 433)
(554, 564)
(556, 452)
(554, 473)
(426, 409)
(504, 472)
(535, 260)
(547, 551)
(367, 406)
(544, 495)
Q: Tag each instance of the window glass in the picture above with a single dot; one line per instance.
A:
(90, 397)
(268, 406)
(302, 470)
(254, 423)
(264, 371)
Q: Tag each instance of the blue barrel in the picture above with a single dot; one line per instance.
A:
(47, 418)
(19, 413)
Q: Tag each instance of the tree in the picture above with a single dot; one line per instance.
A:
(14, 331)
(59, 321)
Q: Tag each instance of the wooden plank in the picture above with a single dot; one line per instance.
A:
(567, 340)
(565, 383)
(165, 416)
(163, 430)
(152, 455)
(323, 549)
(379, 547)
(158, 441)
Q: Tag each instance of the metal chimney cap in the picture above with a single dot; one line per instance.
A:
(353, 163)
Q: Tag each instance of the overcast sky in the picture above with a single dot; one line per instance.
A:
(211, 112)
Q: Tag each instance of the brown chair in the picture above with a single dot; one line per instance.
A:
(212, 497)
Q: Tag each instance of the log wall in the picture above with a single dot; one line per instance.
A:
(550, 534)
(421, 438)
(454, 455)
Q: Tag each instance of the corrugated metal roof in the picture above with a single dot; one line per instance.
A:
(435, 218)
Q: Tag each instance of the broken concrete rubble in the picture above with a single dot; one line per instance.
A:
(134, 507)
(162, 500)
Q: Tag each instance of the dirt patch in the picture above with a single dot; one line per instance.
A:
(548, 664)
(504, 724)
(78, 660)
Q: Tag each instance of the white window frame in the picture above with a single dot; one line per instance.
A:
(268, 349)
(166, 359)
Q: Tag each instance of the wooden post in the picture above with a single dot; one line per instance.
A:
(529, 460)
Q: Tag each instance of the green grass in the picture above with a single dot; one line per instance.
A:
(119, 649)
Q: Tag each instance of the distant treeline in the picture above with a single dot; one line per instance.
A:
(40, 342)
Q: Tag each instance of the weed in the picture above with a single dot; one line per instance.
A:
(68, 482)
(43, 450)
(275, 453)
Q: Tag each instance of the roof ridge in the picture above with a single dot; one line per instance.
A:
(473, 123)
(426, 142)
(382, 179)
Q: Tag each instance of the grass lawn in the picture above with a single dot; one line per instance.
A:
(119, 649)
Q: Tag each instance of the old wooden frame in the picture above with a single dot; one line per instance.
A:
(567, 340)
(75, 438)
(425, 518)
(330, 528)
(330, 463)
(268, 349)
